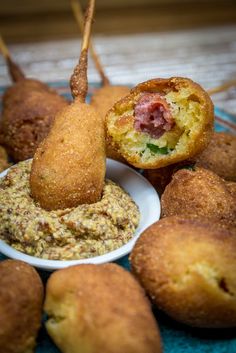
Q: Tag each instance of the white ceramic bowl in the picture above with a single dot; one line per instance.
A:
(141, 191)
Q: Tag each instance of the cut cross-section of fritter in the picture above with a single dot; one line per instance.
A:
(161, 121)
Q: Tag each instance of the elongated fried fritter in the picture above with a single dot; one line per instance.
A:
(199, 192)
(188, 267)
(21, 301)
(161, 122)
(99, 308)
(69, 166)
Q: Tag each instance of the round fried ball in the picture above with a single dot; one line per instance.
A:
(161, 122)
(21, 300)
(99, 308)
(29, 108)
(188, 268)
(199, 192)
(220, 156)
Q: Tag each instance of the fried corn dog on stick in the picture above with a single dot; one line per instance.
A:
(103, 309)
(69, 166)
(161, 122)
(106, 96)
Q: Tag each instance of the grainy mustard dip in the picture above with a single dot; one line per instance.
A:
(81, 232)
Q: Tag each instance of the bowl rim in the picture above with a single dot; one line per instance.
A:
(51, 265)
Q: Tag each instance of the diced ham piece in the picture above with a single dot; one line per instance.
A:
(152, 115)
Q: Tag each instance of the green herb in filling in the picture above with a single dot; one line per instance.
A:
(156, 149)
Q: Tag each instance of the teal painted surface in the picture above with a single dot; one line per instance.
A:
(177, 338)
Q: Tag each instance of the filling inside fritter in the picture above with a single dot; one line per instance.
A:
(156, 123)
(152, 115)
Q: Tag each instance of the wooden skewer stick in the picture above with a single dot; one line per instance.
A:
(79, 80)
(78, 14)
(223, 87)
(14, 70)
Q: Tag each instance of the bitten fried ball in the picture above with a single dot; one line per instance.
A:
(99, 308)
(199, 192)
(21, 300)
(29, 108)
(103, 100)
(220, 156)
(188, 268)
(161, 122)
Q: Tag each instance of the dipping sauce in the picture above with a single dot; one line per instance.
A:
(76, 233)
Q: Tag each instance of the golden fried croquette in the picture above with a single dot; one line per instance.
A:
(4, 164)
(161, 122)
(231, 186)
(29, 108)
(199, 192)
(188, 268)
(99, 308)
(220, 156)
(68, 168)
(21, 301)
(103, 100)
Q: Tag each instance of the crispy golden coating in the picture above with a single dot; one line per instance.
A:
(21, 301)
(188, 267)
(231, 186)
(3, 159)
(69, 165)
(103, 100)
(161, 122)
(99, 308)
(29, 107)
(220, 156)
(199, 192)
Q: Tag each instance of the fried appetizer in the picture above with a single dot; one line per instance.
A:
(231, 186)
(21, 301)
(29, 108)
(99, 308)
(220, 156)
(105, 97)
(188, 268)
(161, 122)
(199, 192)
(68, 168)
